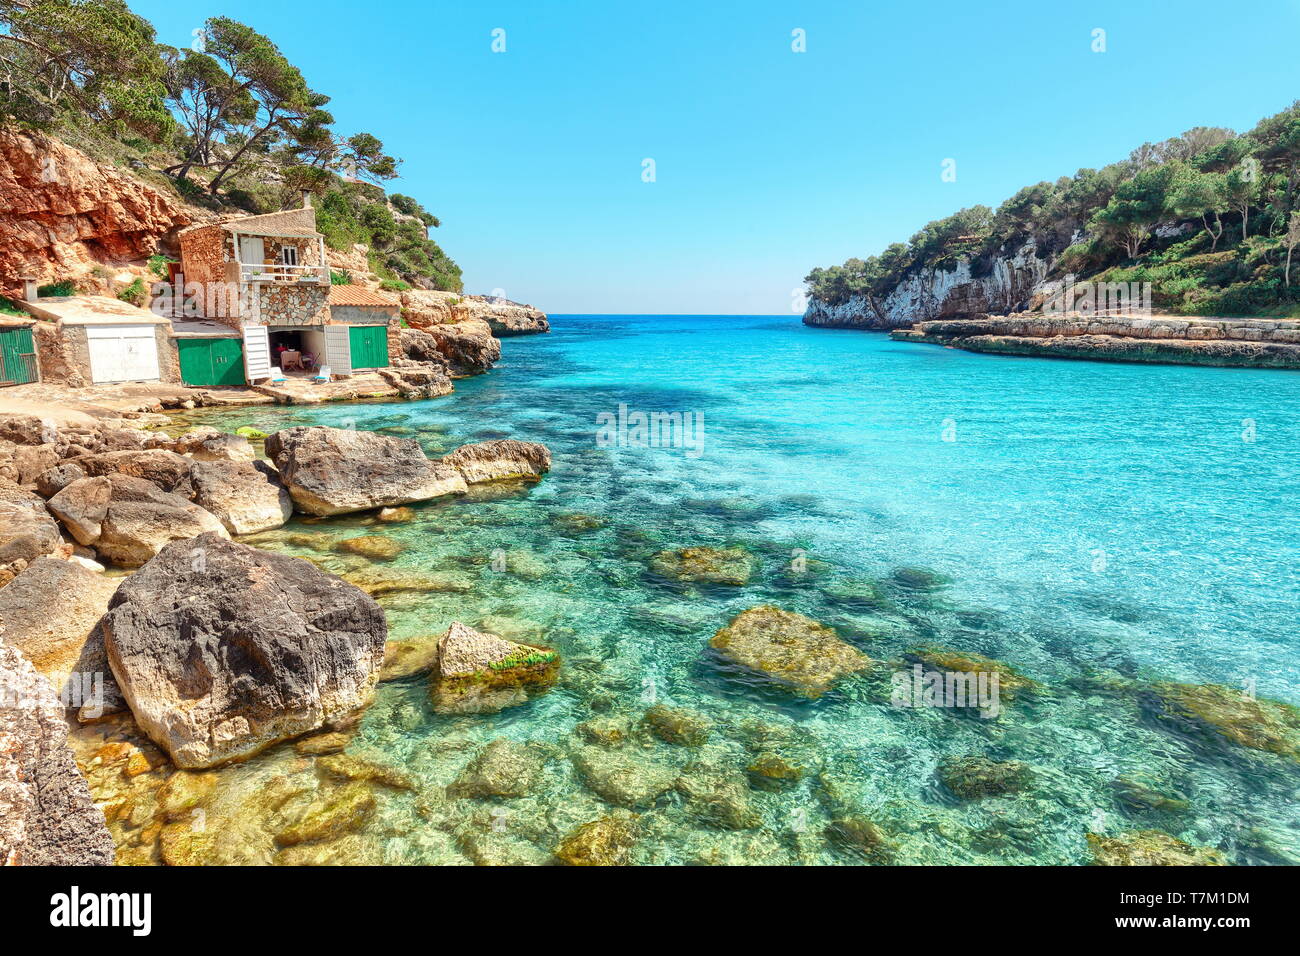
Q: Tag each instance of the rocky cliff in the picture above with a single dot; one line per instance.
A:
(62, 213)
(1007, 284)
(423, 309)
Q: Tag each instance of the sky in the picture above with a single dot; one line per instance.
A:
(766, 161)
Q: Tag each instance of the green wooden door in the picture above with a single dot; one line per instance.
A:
(17, 357)
(369, 346)
(211, 361)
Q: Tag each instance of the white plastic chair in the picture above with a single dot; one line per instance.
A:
(277, 376)
(322, 374)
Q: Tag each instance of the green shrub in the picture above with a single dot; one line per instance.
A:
(340, 278)
(57, 289)
(394, 285)
(7, 307)
(134, 293)
(158, 266)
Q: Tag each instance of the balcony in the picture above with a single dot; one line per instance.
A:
(284, 274)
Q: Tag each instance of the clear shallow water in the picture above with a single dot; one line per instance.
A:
(1101, 524)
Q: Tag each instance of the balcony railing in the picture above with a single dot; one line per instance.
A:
(279, 272)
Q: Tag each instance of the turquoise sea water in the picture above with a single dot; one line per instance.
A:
(1102, 526)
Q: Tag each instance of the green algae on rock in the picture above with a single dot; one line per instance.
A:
(1150, 848)
(1227, 713)
(973, 777)
(605, 842)
(482, 673)
(794, 651)
(730, 566)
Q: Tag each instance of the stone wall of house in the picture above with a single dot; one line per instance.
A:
(63, 353)
(206, 256)
(288, 304)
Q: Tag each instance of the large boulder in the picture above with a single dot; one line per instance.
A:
(222, 650)
(166, 469)
(25, 535)
(141, 520)
(787, 649)
(49, 613)
(500, 460)
(222, 447)
(331, 471)
(247, 496)
(47, 817)
(82, 506)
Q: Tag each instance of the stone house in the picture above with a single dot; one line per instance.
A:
(268, 279)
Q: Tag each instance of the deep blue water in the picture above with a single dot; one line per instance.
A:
(1127, 520)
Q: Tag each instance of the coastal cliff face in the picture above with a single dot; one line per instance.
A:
(62, 213)
(1010, 283)
(423, 309)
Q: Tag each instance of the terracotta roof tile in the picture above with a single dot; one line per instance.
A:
(357, 295)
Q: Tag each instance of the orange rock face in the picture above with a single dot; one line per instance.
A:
(62, 213)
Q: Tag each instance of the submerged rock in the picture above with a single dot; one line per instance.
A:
(1150, 848)
(500, 460)
(482, 673)
(1010, 681)
(772, 772)
(860, 838)
(1225, 712)
(502, 769)
(395, 515)
(404, 659)
(332, 471)
(373, 547)
(622, 777)
(794, 651)
(1140, 795)
(717, 795)
(47, 817)
(733, 566)
(973, 777)
(330, 816)
(345, 766)
(605, 842)
(247, 496)
(677, 725)
(221, 649)
(919, 579)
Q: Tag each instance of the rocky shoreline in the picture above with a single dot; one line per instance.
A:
(1242, 343)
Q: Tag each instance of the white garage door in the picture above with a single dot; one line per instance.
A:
(122, 353)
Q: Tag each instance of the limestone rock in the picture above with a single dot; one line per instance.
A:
(500, 460)
(1219, 713)
(141, 520)
(221, 447)
(221, 649)
(482, 673)
(247, 496)
(82, 506)
(676, 725)
(49, 613)
(166, 469)
(789, 649)
(332, 471)
(25, 536)
(47, 817)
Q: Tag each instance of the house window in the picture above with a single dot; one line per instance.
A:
(289, 255)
